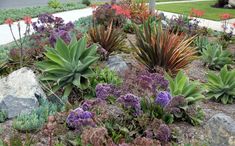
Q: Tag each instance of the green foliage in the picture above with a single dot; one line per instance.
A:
(221, 87)
(28, 122)
(17, 14)
(215, 57)
(201, 42)
(181, 86)
(105, 76)
(128, 27)
(153, 110)
(86, 2)
(68, 66)
(83, 24)
(3, 116)
(54, 4)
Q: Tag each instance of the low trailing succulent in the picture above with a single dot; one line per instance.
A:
(68, 66)
(215, 57)
(221, 87)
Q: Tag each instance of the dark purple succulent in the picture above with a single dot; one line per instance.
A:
(130, 102)
(163, 98)
(79, 118)
(59, 33)
(163, 133)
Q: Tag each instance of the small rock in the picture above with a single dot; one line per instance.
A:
(221, 130)
(18, 92)
(116, 63)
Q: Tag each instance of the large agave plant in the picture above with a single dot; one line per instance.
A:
(221, 87)
(109, 38)
(215, 57)
(182, 86)
(156, 47)
(68, 66)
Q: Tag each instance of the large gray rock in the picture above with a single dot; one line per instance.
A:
(220, 130)
(17, 92)
(232, 3)
(116, 63)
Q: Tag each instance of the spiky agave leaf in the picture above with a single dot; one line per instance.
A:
(67, 66)
(158, 47)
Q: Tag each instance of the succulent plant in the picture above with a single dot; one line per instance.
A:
(3, 116)
(221, 87)
(68, 66)
(215, 57)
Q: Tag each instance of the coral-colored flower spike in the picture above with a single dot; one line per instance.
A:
(9, 21)
(27, 20)
(225, 16)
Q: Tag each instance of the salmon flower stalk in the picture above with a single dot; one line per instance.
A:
(121, 11)
(20, 42)
(196, 13)
(224, 18)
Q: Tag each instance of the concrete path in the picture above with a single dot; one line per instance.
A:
(73, 15)
(183, 1)
(7, 4)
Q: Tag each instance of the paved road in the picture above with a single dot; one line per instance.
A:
(6, 4)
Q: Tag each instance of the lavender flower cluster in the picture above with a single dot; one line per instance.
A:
(103, 91)
(163, 98)
(152, 81)
(79, 118)
(53, 27)
(131, 102)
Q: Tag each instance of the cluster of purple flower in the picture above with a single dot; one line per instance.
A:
(152, 81)
(131, 102)
(103, 91)
(79, 118)
(163, 98)
(53, 28)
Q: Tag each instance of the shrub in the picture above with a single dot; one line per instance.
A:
(221, 87)
(68, 66)
(109, 39)
(54, 4)
(158, 48)
(215, 57)
(105, 14)
(86, 2)
(182, 86)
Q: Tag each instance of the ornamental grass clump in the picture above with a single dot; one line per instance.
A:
(78, 118)
(156, 48)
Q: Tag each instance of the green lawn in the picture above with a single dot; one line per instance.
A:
(185, 8)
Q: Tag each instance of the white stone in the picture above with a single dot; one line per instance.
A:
(232, 3)
(17, 92)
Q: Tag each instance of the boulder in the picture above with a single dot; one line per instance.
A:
(18, 92)
(232, 3)
(220, 130)
(117, 64)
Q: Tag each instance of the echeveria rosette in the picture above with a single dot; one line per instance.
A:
(163, 98)
(130, 102)
(79, 118)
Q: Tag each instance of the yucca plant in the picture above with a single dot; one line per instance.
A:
(68, 66)
(215, 57)
(156, 47)
(221, 87)
(182, 86)
(109, 38)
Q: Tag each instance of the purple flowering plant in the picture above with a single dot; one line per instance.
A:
(79, 118)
